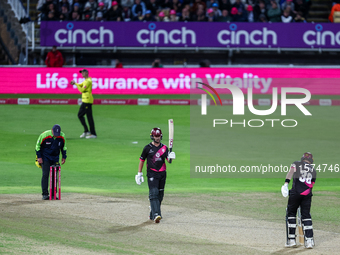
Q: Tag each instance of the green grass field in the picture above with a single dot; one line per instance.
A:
(107, 165)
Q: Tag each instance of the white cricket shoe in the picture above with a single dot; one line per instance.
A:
(157, 219)
(291, 243)
(309, 244)
(83, 135)
(91, 136)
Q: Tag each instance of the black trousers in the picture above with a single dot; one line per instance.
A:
(86, 108)
(45, 176)
(156, 182)
(295, 200)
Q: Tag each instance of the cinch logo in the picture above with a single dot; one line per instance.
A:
(175, 36)
(93, 36)
(255, 37)
(311, 37)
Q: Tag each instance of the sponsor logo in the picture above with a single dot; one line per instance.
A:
(143, 101)
(23, 101)
(325, 102)
(320, 37)
(160, 36)
(239, 37)
(80, 36)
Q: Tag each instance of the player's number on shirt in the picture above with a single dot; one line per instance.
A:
(305, 174)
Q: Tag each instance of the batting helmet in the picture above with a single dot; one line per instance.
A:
(156, 132)
(307, 156)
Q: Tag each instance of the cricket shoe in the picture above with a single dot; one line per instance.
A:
(83, 135)
(157, 219)
(91, 136)
(309, 244)
(45, 197)
(291, 243)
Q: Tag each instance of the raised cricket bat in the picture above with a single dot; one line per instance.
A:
(299, 227)
(171, 135)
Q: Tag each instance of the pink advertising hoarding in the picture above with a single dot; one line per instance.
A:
(166, 81)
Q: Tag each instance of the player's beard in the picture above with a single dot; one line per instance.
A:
(158, 141)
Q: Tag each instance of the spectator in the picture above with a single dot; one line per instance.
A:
(102, 9)
(99, 16)
(93, 4)
(225, 5)
(287, 3)
(263, 18)
(274, 13)
(114, 13)
(126, 3)
(234, 1)
(196, 4)
(119, 64)
(299, 18)
(250, 13)
(157, 63)
(177, 6)
(225, 16)
(166, 4)
(51, 16)
(87, 17)
(161, 16)
(152, 6)
(65, 12)
(335, 8)
(210, 17)
(300, 6)
(217, 12)
(200, 14)
(48, 6)
(75, 16)
(88, 13)
(286, 17)
(107, 3)
(210, 3)
(241, 15)
(259, 9)
(63, 3)
(148, 16)
(173, 16)
(138, 10)
(54, 58)
(126, 13)
(76, 8)
(185, 14)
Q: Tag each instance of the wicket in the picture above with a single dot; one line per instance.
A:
(53, 180)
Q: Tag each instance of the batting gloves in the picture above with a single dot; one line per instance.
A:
(172, 155)
(139, 178)
(284, 190)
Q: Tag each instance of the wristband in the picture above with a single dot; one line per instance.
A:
(287, 180)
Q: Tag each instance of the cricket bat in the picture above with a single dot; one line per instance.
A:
(299, 228)
(171, 135)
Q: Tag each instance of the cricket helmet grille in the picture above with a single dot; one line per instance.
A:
(155, 132)
(308, 156)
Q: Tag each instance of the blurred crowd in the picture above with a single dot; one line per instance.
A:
(285, 11)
